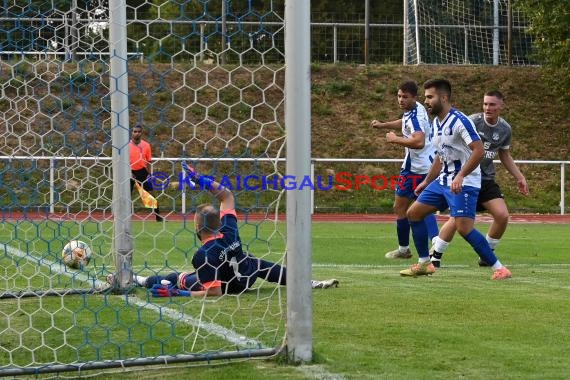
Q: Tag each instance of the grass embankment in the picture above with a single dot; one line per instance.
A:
(211, 111)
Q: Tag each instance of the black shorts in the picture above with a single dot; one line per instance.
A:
(141, 176)
(489, 190)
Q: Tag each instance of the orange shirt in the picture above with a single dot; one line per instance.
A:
(140, 155)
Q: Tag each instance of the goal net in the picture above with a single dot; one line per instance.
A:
(464, 32)
(205, 80)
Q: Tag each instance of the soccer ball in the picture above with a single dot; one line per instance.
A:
(76, 254)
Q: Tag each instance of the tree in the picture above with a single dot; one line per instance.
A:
(550, 27)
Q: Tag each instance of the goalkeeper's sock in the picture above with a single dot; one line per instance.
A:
(140, 280)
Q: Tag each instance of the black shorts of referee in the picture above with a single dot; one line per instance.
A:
(141, 176)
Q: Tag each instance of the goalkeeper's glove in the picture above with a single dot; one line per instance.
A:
(189, 170)
(195, 178)
(159, 290)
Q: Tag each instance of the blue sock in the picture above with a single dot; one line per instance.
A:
(431, 224)
(420, 235)
(403, 230)
(480, 245)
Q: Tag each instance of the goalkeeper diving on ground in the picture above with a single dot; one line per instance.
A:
(220, 264)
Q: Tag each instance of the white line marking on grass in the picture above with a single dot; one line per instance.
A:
(318, 372)
(55, 267)
(220, 331)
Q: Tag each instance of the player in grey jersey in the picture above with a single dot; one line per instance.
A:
(496, 136)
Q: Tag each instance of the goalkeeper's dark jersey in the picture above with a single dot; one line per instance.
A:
(221, 260)
(494, 137)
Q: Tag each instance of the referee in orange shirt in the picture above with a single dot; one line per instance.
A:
(141, 158)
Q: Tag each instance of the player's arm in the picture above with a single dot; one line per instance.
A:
(509, 163)
(477, 154)
(416, 141)
(434, 171)
(225, 196)
(394, 124)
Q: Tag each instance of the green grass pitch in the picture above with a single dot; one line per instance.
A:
(454, 324)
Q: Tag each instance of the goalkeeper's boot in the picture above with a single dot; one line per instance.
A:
(419, 269)
(501, 274)
(397, 254)
(324, 284)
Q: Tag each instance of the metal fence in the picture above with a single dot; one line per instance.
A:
(339, 42)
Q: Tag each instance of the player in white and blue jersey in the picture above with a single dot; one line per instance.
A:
(416, 139)
(496, 135)
(453, 181)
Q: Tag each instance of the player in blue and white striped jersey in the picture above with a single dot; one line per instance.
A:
(496, 135)
(453, 182)
(417, 141)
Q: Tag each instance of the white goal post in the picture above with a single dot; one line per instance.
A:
(56, 318)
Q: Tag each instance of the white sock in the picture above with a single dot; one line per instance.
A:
(497, 265)
(492, 242)
(140, 280)
(423, 260)
(440, 245)
(404, 248)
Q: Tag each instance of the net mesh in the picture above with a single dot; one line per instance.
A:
(207, 85)
(465, 32)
